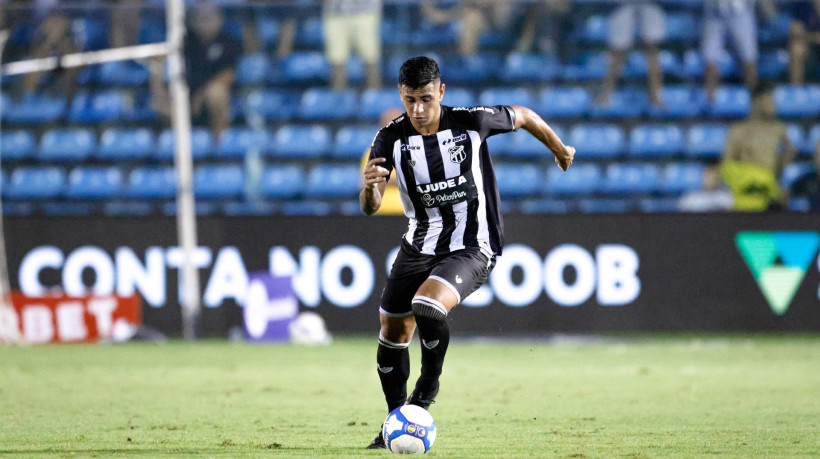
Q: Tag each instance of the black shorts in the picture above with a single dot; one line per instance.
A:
(462, 271)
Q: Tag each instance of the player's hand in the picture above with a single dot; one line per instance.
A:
(375, 174)
(565, 157)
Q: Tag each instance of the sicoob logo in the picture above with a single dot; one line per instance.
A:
(762, 250)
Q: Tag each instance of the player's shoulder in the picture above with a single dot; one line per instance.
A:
(392, 130)
(472, 115)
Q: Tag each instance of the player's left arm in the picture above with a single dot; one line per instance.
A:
(535, 125)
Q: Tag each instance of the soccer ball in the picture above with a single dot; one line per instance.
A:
(309, 328)
(409, 429)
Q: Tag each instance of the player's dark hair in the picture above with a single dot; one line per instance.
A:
(418, 72)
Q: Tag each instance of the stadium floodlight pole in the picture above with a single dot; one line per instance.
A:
(181, 119)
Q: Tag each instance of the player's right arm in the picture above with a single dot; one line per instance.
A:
(375, 181)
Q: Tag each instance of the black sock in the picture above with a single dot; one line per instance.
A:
(393, 362)
(435, 338)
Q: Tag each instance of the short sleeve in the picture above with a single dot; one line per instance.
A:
(382, 147)
(493, 120)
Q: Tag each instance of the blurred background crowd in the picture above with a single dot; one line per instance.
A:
(673, 106)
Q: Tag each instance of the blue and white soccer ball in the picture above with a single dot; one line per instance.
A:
(409, 429)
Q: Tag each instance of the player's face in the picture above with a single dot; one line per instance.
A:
(423, 105)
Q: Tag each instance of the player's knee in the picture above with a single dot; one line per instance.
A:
(428, 308)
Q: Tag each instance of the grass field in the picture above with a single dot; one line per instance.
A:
(647, 396)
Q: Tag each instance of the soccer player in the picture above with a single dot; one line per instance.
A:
(448, 191)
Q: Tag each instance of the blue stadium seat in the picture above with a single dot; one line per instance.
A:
(775, 30)
(605, 206)
(202, 208)
(248, 208)
(521, 145)
(305, 67)
(637, 64)
(706, 140)
(506, 96)
(352, 141)
(518, 180)
(632, 178)
(731, 102)
(36, 183)
(473, 69)
(333, 181)
(798, 138)
(310, 34)
(271, 104)
(252, 69)
(591, 66)
(812, 140)
(282, 182)
(235, 142)
(96, 107)
(299, 141)
(656, 140)
(118, 144)
(17, 145)
(580, 179)
(595, 29)
(679, 102)
(151, 183)
(67, 145)
(597, 140)
(658, 205)
(680, 27)
(771, 65)
(797, 101)
(141, 110)
(623, 103)
(377, 101)
(123, 73)
(323, 104)
(431, 35)
(529, 67)
(678, 178)
(355, 70)
(92, 183)
(219, 181)
(35, 109)
(267, 29)
(564, 102)
(792, 172)
(694, 66)
(456, 97)
(545, 206)
(202, 144)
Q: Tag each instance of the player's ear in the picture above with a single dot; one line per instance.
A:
(441, 91)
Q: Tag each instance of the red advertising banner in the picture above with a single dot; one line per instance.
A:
(64, 319)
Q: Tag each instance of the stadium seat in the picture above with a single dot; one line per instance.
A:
(591, 66)
(201, 208)
(323, 104)
(679, 102)
(693, 65)
(151, 183)
(94, 183)
(455, 97)
(792, 172)
(529, 67)
(119, 144)
(310, 34)
(775, 30)
(521, 145)
(731, 102)
(202, 143)
(305, 67)
(352, 141)
(17, 145)
(235, 142)
(564, 102)
(678, 178)
(605, 206)
(97, 107)
(123, 73)
(35, 109)
(656, 140)
(597, 140)
(517, 180)
(812, 142)
(797, 101)
(634, 178)
(798, 138)
(473, 69)
(333, 181)
(706, 140)
(248, 208)
(141, 110)
(355, 70)
(771, 65)
(637, 65)
(282, 182)
(73, 145)
(431, 35)
(580, 179)
(595, 29)
(267, 29)
(377, 101)
(219, 182)
(623, 103)
(545, 206)
(271, 105)
(680, 27)
(252, 69)
(658, 205)
(505, 96)
(301, 141)
(35, 183)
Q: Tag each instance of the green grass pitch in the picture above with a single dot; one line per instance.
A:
(642, 396)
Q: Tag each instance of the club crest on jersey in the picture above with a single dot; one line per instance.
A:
(457, 154)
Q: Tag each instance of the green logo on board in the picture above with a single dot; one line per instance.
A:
(778, 261)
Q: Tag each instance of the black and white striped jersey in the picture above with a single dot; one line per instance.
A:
(446, 180)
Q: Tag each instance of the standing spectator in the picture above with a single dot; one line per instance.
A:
(126, 21)
(211, 54)
(545, 23)
(52, 37)
(757, 150)
(736, 17)
(350, 24)
(622, 25)
(476, 16)
(803, 33)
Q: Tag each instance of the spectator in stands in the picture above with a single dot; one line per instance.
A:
(52, 37)
(757, 150)
(348, 25)
(622, 26)
(125, 23)
(736, 17)
(211, 54)
(391, 202)
(803, 34)
(714, 197)
(477, 16)
(544, 26)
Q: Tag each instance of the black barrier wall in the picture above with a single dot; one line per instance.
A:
(557, 274)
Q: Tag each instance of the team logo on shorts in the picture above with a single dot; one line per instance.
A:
(457, 154)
